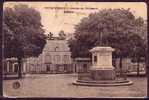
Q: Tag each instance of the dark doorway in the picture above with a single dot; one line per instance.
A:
(48, 67)
(16, 68)
(84, 67)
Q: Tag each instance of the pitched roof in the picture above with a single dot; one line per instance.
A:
(57, 45)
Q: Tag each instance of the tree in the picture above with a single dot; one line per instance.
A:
(115, 26)
(138, 50)
(62, 35)
(25, 26)
(7, 39)
(139, 42)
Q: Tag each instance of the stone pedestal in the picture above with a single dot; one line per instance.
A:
(102, 68)
(103, 74)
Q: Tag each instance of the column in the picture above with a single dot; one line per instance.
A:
(7, 65)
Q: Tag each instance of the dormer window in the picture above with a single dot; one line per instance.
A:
(56, 48)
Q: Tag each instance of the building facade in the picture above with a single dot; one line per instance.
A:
(56, 58)
(81, 65)
(129, 66)
(10, 67)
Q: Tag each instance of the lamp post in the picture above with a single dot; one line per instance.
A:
(100, 41)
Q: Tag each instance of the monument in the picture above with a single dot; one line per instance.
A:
(102, 72)
(102, 68)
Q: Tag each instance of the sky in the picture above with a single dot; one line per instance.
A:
(54, 19)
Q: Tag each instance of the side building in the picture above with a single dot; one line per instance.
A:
(10, 67)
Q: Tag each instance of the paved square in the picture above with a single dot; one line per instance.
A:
(60, 85)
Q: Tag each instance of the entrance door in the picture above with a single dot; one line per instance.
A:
(48, 67)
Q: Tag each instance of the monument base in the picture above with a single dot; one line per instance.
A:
(101, 77)
(103, 83)
(103, 74)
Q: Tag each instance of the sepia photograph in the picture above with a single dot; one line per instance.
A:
(74, 49)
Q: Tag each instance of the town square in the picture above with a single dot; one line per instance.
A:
(60, 85)
(75, 49)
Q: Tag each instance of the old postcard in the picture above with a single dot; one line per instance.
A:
(75, 49)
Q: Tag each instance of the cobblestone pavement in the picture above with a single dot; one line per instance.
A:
(60, 85)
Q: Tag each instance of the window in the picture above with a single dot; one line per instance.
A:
(16, 68)
(56, 48)
(10, 68)
(95, 58)
(57, 58)
(49, 57)
(66, 59)
(5, 67)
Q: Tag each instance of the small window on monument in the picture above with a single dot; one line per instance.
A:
(95, 58)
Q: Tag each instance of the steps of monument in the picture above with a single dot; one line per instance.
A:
(103, 81)
(101, 84)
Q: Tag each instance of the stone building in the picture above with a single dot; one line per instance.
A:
(129, 66)
(10, 67)
(81, 65)
(56, 58)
